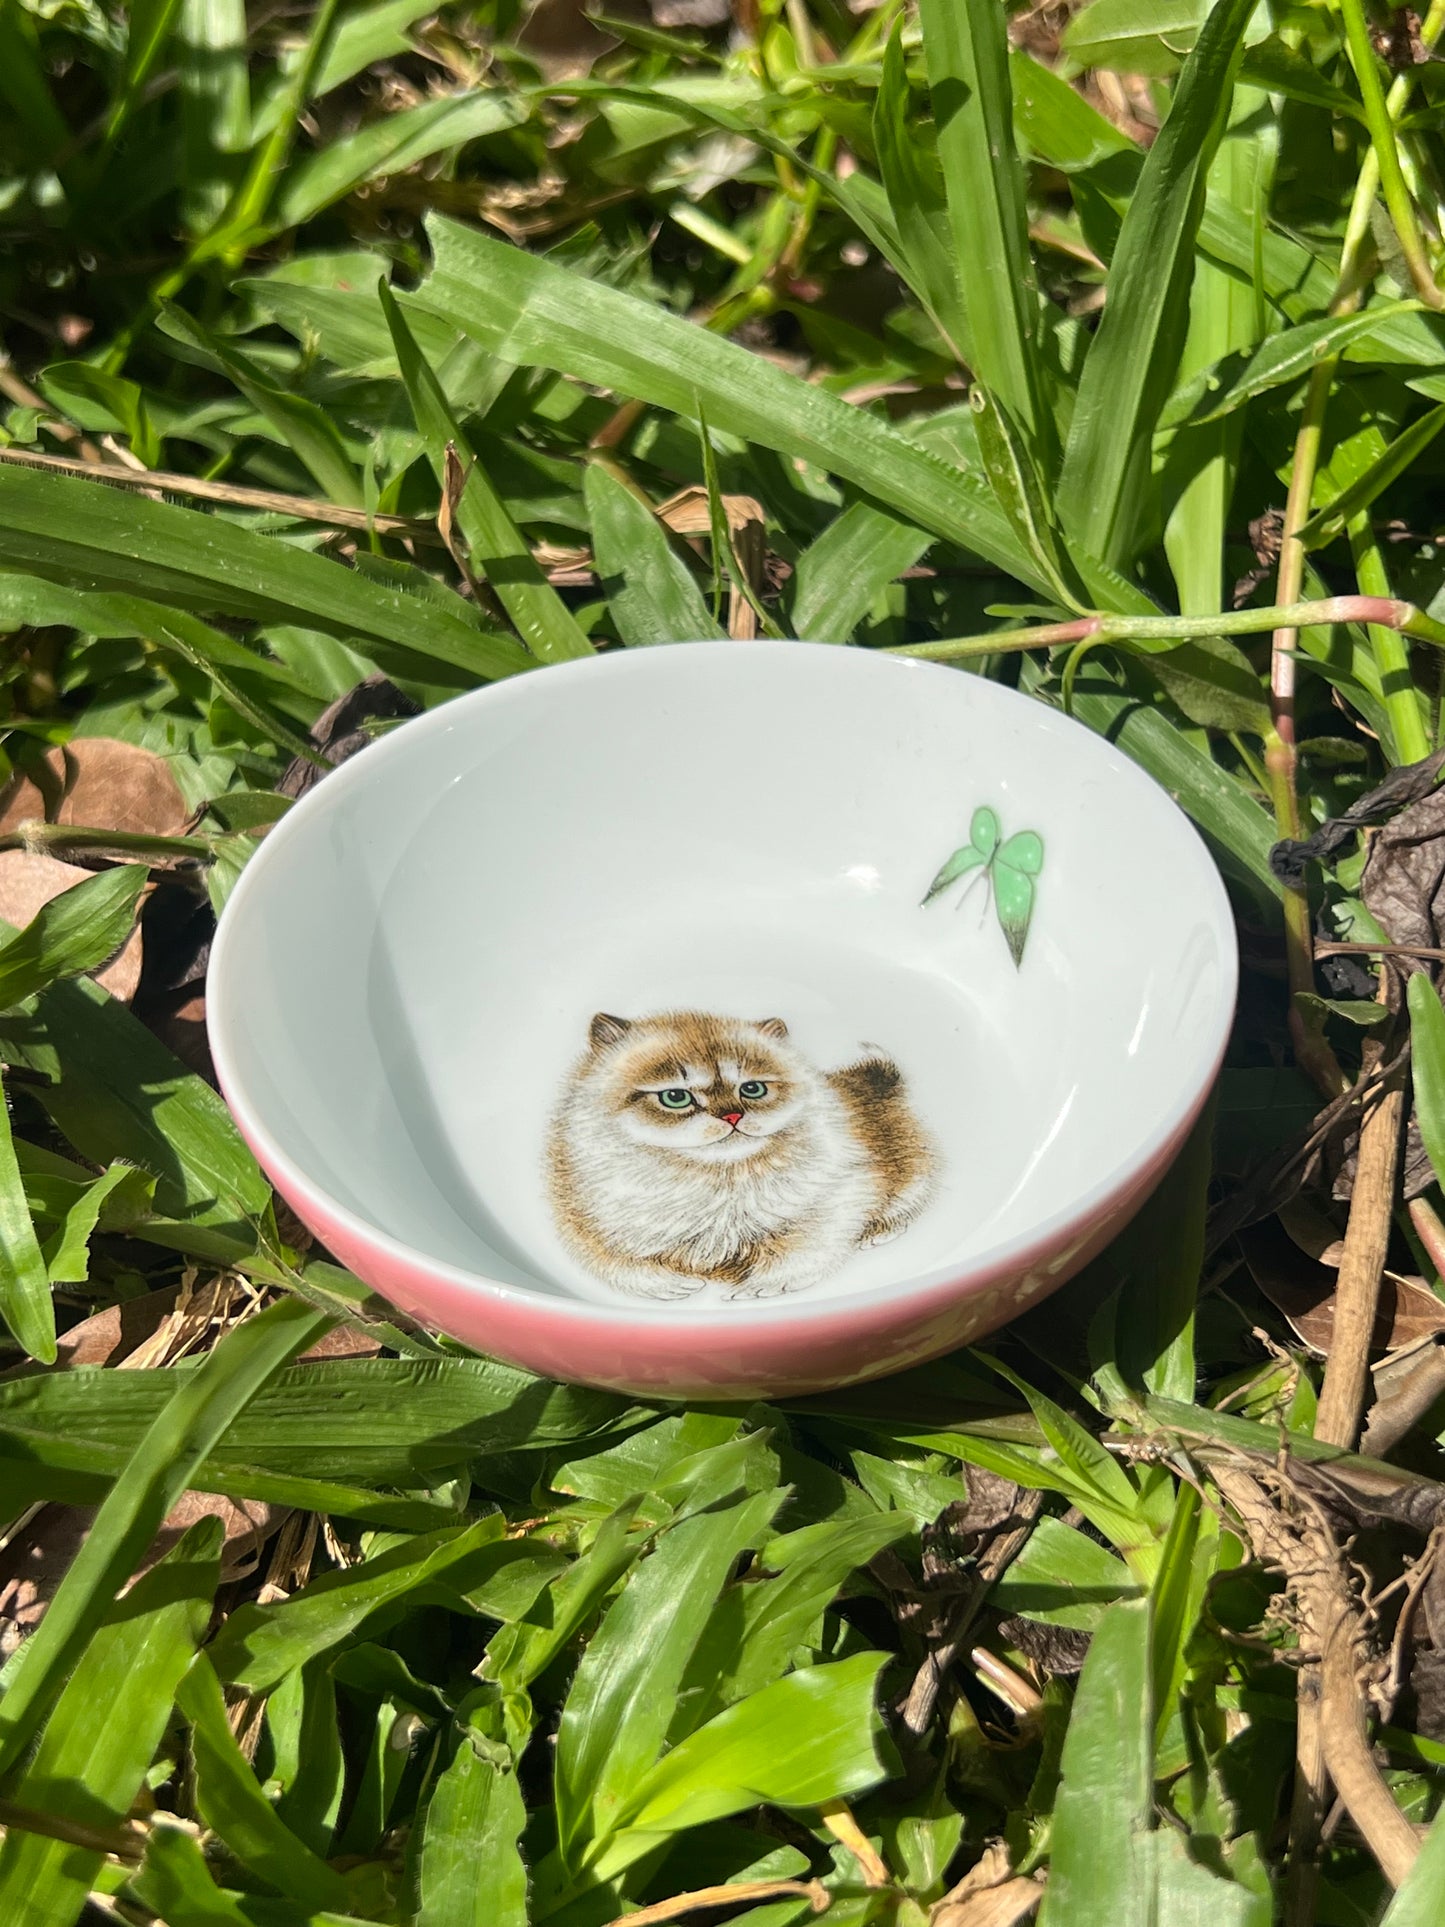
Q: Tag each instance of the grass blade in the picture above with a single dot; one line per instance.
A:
(536, 314)
(840, 576)
(1131, 363)
(966, 46)
(194, 1419)
(1329, 523)
(89, 1769)
(1427, 1067)
(913, 181)
(473, 1820)
(230, 1801)
(1106, 1801)
(649, 588)
(25, 1301)
(75, 532)
(74, 932)
(497, 549)
(622, 1699)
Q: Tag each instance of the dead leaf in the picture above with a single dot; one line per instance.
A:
(100, 782)
(1315, 1234)
(1404, 878)
(338, 731)
(990, 1894)
(1304, 1290)
(688, 513)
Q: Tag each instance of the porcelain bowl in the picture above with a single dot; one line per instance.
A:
(723, 1019)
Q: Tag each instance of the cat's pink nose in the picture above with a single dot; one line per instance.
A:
(732, 1117)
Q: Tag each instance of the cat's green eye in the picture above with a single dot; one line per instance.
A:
(753, 1089)
(675, 1100)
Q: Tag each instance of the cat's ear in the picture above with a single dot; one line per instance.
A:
(607, 1031)
(773, 1027)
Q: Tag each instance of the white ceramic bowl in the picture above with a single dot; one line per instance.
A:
(438, 1005)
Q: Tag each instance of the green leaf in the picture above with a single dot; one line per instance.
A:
(1131, 362)
(965, 43)
(1420, 1898)
(520, 1652)
(473, 1821)
(841, 574)
(391, 1421)
(1427, 1067)
(649, 589)
(202, 1404)
(74, 932)
(1105, 1803)
(119, 1095)
(1328, 523)
(1135, 36)
(390, 145)
(1237, 828)
(122, 1196)
(1063, 1578)
(807, 1739)
(97, 399)
(175, 1883)
(306, 429)
(25, 1301)
(536, 314)
(497, 549)
(756, 1629)
(89, 1769)
(908, 160)
(622, 1698)
(1214, 683)
(73, 531)
(230, 1801)
(1218, 390)
(259, 1645)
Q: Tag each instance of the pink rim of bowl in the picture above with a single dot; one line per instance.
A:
(734, 1351)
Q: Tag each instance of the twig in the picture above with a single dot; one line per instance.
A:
(125, 1842)
(727, 1896)
(1387, 1833)
(928, 1681)
(838, 1819)
(1367, 1238)
(269, 500)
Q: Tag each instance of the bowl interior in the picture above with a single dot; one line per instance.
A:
(406, 975)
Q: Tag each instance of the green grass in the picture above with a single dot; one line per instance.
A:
(1022, 336)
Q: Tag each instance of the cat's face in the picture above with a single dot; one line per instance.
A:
(711, 1088)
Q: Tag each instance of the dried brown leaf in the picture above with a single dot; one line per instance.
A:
(1304, 1290)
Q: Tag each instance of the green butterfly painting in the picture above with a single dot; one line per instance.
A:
(1009, 870)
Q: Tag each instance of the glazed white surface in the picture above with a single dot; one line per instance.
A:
(407, 969)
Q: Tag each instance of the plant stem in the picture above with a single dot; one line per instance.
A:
(1388, 612)
(61, 839)
(1387, 154)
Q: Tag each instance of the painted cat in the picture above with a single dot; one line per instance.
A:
(692, 1150)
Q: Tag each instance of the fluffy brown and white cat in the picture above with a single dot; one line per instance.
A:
(692, 1150)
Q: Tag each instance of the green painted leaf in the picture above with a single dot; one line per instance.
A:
(1013, 896)
(959, 864)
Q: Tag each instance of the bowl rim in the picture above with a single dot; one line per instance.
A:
(225, 1024)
